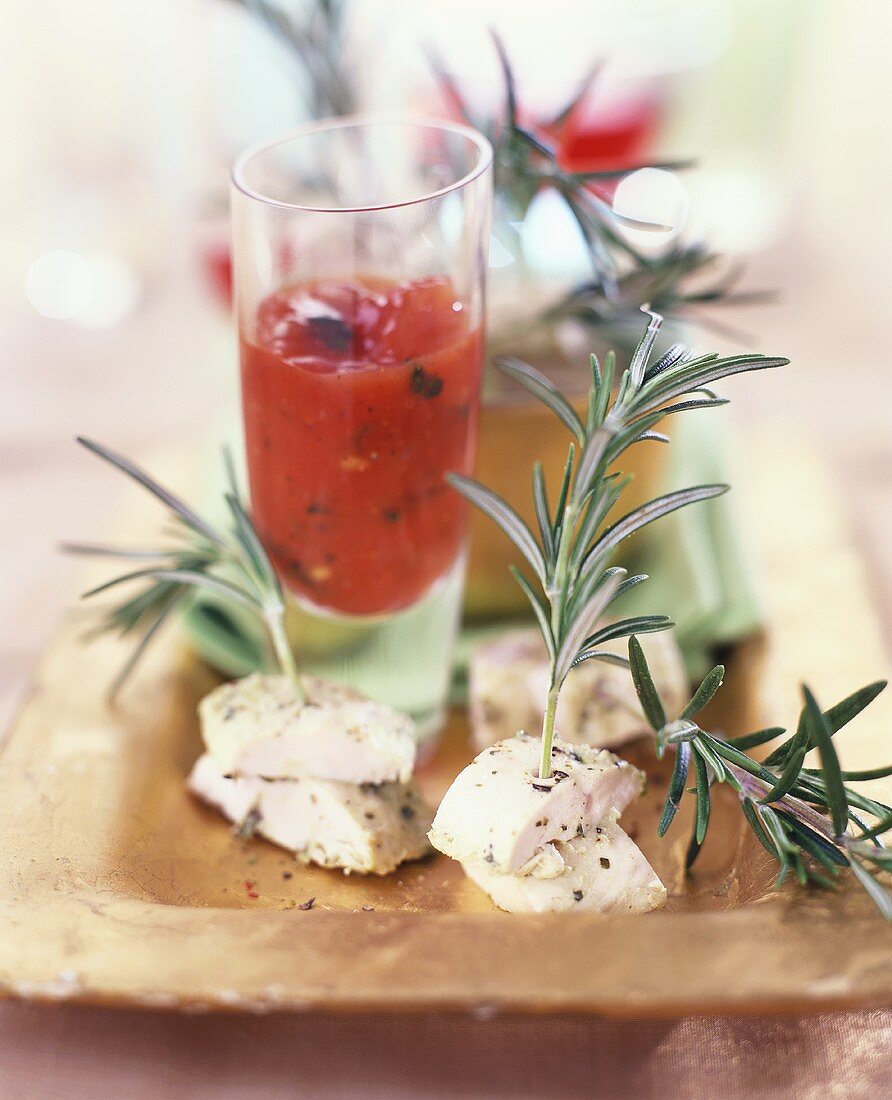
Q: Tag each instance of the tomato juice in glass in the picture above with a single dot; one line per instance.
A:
(358, 396)
(360, 260)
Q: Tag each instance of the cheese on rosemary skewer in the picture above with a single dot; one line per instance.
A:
(310, 765)
(598, 705)
(364, 828)
(547, 845)
(258, 727)
(327, 776)
(488, 818)
(603, 871)
(499, 812)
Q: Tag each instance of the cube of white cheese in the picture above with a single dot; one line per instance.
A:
(498, 812)
(258, 727)
(369, 829)
(604, 871)
(508, 682)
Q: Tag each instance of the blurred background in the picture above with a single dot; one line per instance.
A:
(119, 119)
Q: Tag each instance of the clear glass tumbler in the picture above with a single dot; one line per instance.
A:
(360, 260)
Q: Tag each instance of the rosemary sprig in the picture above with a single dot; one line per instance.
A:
(526, 162)
(231, 564)
(572, 584)
(622, 278)
(805, 818)
(315, 39)
(666, 283)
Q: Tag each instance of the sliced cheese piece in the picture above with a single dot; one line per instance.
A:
(498, 812)
(370, 829)
(508, 680)
(604, 871)
(257, 727)
(499, 698)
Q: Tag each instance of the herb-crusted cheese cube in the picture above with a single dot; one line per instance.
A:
(597, 706)
(258, 727)
(365, 828)
(498, 812)
(604, 871)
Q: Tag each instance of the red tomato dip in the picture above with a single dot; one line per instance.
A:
(358, 396)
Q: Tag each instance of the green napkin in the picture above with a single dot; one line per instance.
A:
(696, 557)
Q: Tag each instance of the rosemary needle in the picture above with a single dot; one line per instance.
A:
(232, 565)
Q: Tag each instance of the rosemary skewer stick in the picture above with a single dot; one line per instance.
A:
(232, 565)
(573, 585)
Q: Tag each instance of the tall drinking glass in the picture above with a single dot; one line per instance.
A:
(360, 250)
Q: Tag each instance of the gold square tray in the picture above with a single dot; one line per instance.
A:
(117, 888)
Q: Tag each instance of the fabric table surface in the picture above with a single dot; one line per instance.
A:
(69, 1052)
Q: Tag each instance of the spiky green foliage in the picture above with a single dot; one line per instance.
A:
(807, 819)
(231, 564)
(573, 584)
(314, 36)
(683, 276)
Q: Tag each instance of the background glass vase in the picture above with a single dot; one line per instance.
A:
(360, 251)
